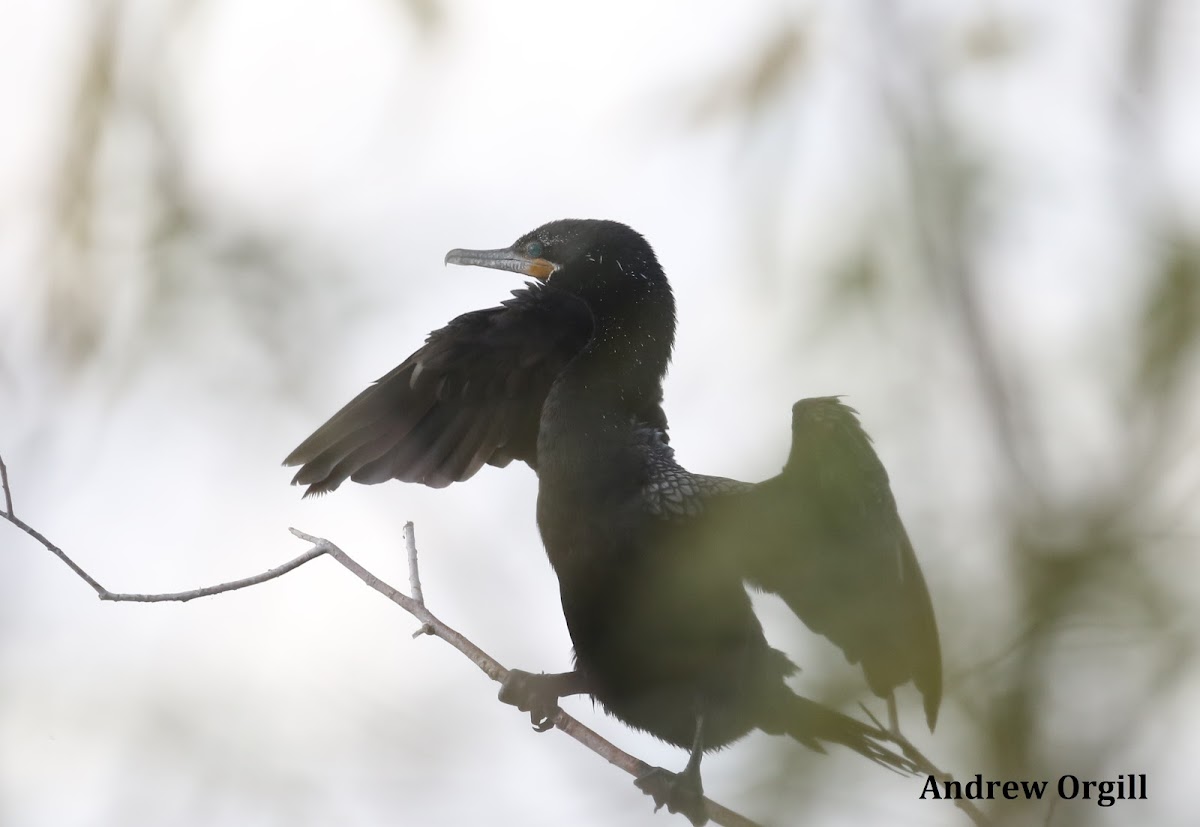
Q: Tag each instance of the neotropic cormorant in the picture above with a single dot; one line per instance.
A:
(653, 561)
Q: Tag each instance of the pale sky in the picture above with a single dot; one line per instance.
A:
(342, 126)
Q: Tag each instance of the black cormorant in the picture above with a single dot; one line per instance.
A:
(653, 561)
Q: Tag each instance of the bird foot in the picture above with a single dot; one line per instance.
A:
(681, 792)
(535, 694)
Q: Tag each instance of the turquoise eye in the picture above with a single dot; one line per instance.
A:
(534, 249)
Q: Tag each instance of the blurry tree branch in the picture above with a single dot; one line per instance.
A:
(75, 296)
(134, 256)
(942, 185)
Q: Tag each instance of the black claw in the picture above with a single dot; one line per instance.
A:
(533, 694)
(679, 792)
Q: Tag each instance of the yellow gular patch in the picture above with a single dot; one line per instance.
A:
(539, 268)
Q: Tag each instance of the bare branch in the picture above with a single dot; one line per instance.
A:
(41, 538)
(415, 606)
(117, 597)
(57, 552)
(414, 575)
(494, 670)
(233, 585)
(8, 506)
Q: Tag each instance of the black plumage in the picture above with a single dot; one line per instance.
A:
(472, 395)
(826, 536)
(653, 561)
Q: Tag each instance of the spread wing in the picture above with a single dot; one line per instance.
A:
(472, 395)
(828, 539)
(825, 536)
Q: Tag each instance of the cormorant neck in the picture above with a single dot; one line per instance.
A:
(613, 384)
(633, 332)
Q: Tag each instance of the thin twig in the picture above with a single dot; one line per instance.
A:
(57, 552)
(977, 816)
(118, 597)
(207, 591)
(8, 506)
(414, 575)
(46, 544)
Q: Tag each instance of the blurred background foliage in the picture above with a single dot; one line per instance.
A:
(1048, 422)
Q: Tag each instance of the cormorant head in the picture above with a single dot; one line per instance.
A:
(582, 256)
(611, 269)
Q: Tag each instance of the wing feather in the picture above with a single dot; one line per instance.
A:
(825, 535)
(472, 395)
